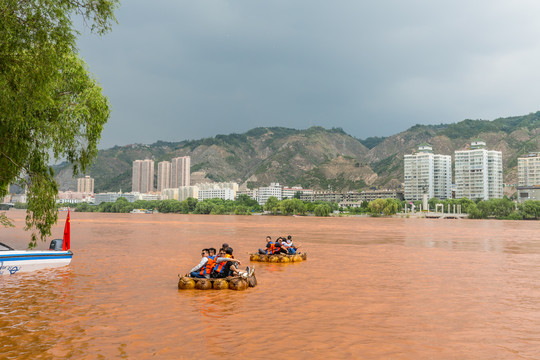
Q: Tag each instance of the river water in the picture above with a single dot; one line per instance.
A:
(372, 288)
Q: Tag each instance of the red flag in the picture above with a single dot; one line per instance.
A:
(67, 235)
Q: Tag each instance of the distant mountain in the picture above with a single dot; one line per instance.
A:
(315, 158)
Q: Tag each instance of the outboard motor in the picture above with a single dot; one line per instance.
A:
(56, 244)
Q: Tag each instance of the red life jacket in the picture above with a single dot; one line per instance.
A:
(219, 266)
(207, 268)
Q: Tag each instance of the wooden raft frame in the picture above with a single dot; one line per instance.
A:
(278, 258)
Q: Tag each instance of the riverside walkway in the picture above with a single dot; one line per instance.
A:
(439, 215)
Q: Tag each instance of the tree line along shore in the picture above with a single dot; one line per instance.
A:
(481, 209)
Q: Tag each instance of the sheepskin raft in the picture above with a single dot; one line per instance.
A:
(278, 258)
(234, 283)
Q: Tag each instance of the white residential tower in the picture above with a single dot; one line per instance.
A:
(427, 173)
(478, 173)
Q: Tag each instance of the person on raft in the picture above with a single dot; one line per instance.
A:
(273, 248)
(279, 248)
(289, 245)
(208, 262)
(234, 271)
(229, 268)
(269, 244)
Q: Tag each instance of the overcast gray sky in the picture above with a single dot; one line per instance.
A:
(177, 69)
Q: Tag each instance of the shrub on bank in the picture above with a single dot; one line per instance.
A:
(483, 209)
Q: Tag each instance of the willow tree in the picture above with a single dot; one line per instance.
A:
(50, 106)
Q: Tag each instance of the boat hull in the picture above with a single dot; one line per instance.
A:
(16, 261)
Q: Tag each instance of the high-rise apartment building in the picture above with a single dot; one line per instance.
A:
(529, 170)
(143, 176)
(427, 173)
(85, 185)
(478, 173)
(164, 175)
(529, 177)
(180, 171)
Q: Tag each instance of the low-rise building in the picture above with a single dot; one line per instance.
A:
(21, 198)
(112, 197)
(223, 193)
(352, 198)
(148, 196)
(289, 193)
(265, 192)
(170, 193)
(74, 197)
(185, 192)
(370, 195)
(252, 193)
(221, 190)
(328, 196)
(525, 193)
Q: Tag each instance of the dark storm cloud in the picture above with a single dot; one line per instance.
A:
(177, 70)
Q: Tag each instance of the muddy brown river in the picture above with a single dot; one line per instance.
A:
(372, 288)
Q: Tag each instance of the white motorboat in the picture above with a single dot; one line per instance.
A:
(59, 254)
(13, 261)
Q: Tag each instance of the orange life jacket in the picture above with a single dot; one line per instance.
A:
(219, 266)
(269, 248)
(272, 249)
(207, 268)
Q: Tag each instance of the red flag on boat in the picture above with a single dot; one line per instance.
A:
(67, 235)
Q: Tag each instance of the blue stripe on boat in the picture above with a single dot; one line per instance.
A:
(19, 257)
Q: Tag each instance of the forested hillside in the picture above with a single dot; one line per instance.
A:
(315, 158)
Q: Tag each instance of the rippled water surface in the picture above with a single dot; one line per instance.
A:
(372, 288)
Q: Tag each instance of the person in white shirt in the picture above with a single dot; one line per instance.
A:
(204, 268)
(290, 246)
